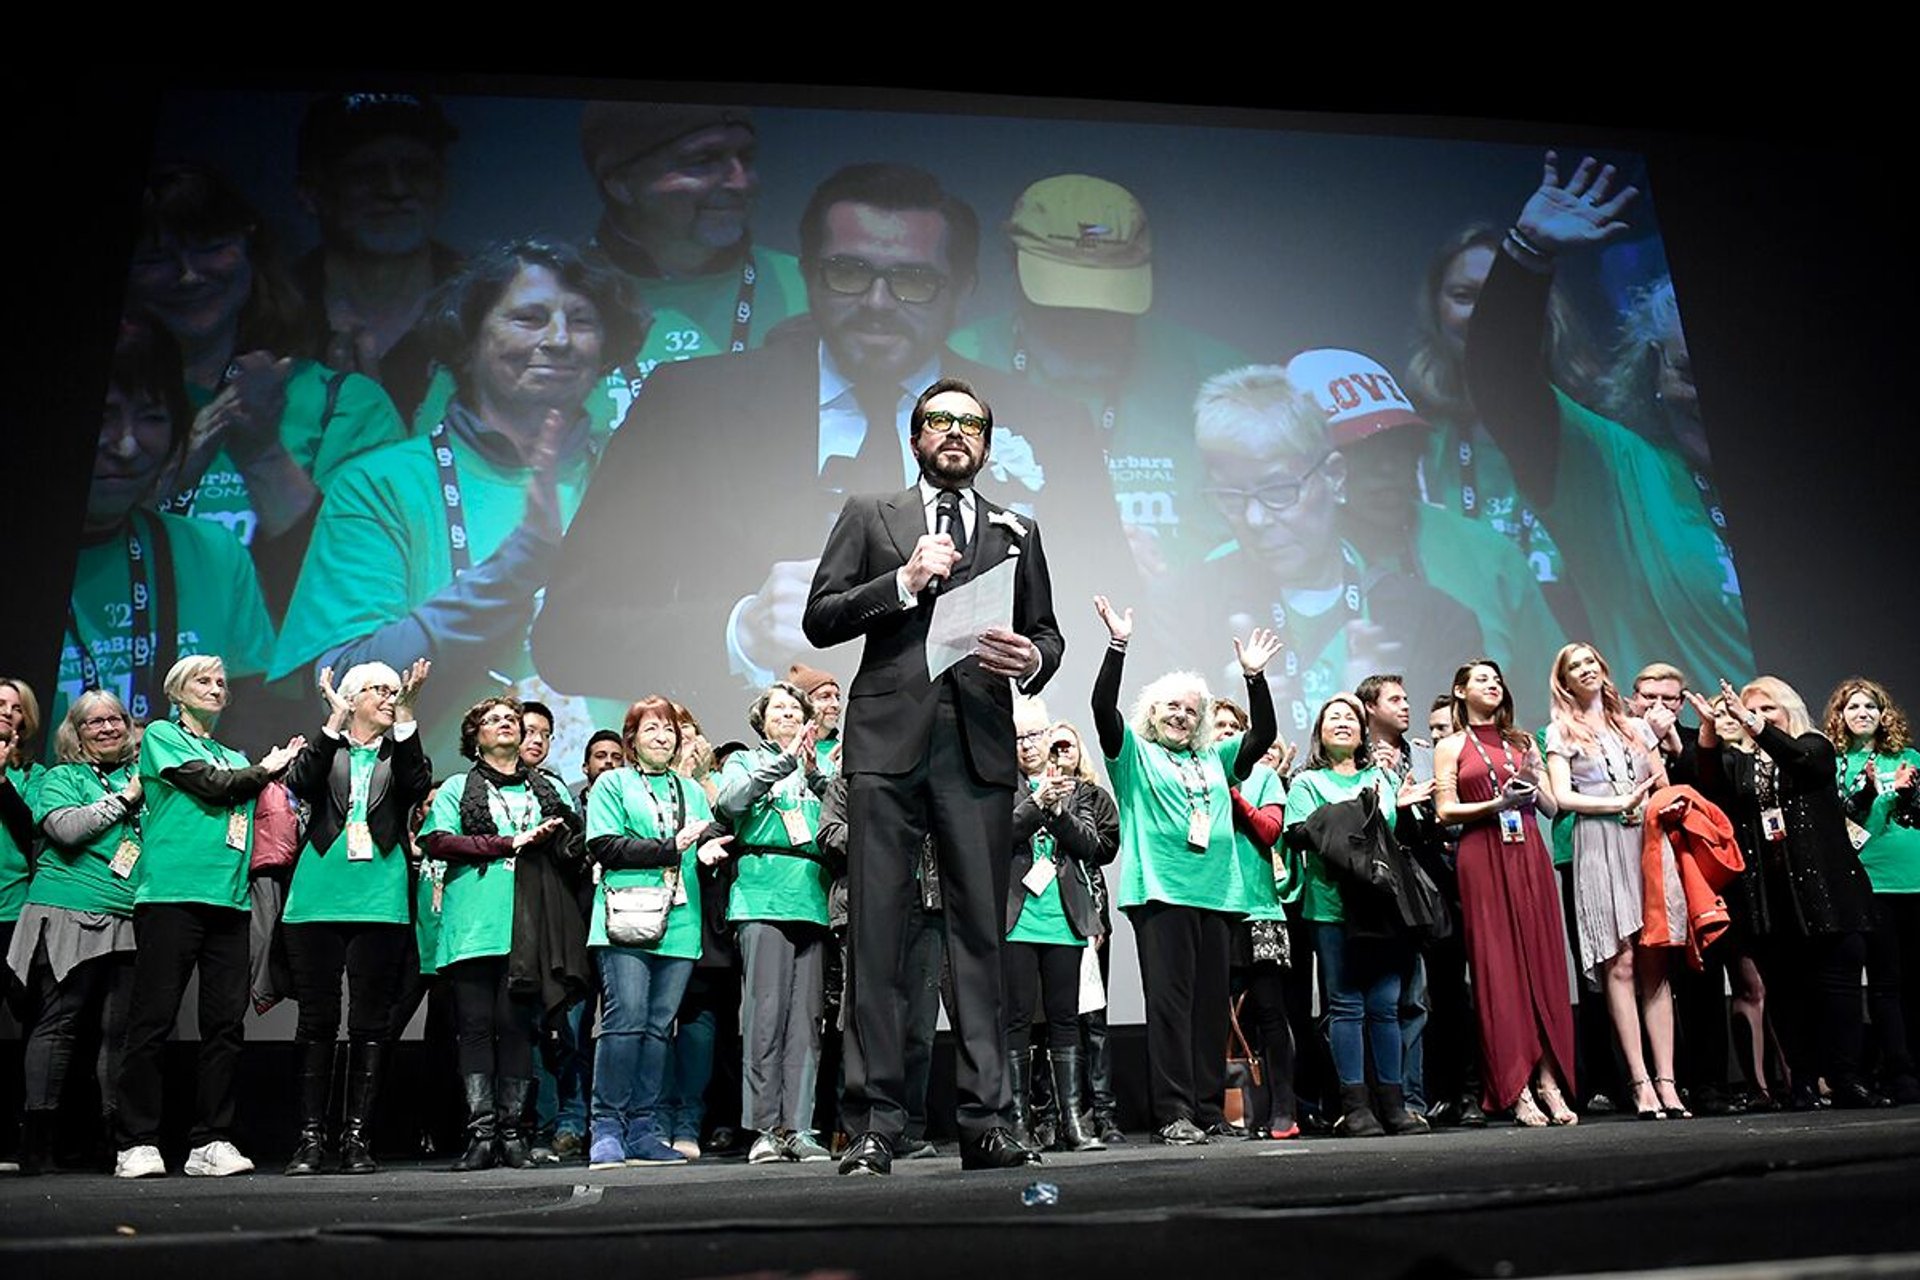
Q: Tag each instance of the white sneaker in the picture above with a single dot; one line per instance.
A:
(217, 1160)
(766, 1149)
(806, 1148)
(687, 1147)
(139, 1162)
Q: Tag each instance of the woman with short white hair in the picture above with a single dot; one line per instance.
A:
(1181, 874)
(73, 949)
(348, 908)
(191, 912)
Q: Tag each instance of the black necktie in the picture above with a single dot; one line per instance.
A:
(876, 468)
(947, 515)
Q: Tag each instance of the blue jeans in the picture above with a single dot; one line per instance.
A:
(683, 1097)
(561, 1071)
(1363, 980)
(1414, 1008)
(639, 996)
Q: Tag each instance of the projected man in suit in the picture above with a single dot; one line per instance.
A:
(930, 756)
(693, 546)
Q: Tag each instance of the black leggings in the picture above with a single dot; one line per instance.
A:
(1185, 954)
(494, 1032)
(369, 953)
(1817, 980)
(1055, 970)
(1893, 980)
(1265, 1016)
(98, 988)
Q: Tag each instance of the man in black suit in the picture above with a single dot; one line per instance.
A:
(688, 554)
(931, 756)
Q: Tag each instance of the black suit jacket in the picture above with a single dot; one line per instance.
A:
(891, 703)
(713, 478)
(319, 775)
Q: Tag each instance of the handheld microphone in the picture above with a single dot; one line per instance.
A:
(947, 520)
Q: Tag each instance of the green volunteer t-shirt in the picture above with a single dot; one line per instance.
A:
(1260, 875)
(214, 588)
(773, 886)
(328, 885)
(80, 878)
(646, 806)
(1656, 574)
(184, 851)
(1043, 916)
(329, 419)
(476, 906)
(1311, 788)
(14, 865)
(1473, 563)
(1158, 790)
(692, 319)
(1465, 473)
(382, 546)
(1146, 421)
(1891, 855)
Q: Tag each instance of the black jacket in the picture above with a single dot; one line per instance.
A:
(1086, 835)
(319, 775)
(1383, 892)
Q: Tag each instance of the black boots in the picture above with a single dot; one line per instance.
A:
(480, 1125)
(1018, 1062)
(36, 1142)
(1072, 1134)
(516, 1152)
(363, 1086)
(1357, 1120)
(313, 1078)
(1392, 1104)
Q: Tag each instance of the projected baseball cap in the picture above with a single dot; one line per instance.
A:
(1358, 395)
(616, 133)
(1083, 242)
(338, 122)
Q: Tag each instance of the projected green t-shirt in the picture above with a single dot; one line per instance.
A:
(220, 611)
(1655, 572)
(1466, 473)
(383, 545)
(330, 418)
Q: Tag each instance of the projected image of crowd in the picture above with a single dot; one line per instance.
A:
(409, 577)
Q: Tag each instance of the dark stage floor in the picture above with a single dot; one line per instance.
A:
(1612, 1194)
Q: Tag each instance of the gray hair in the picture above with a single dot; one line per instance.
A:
(187, 668)
(359, 677)
(1162, 690)
(67, 748)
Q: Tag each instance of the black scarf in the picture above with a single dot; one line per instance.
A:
(476, 816)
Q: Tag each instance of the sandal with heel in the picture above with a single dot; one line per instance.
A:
(1676, 1111)
(1646, 1113)
(1557, 1109)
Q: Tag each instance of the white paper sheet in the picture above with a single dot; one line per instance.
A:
(961, 613)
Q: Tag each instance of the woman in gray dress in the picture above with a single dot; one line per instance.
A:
(1601, 766)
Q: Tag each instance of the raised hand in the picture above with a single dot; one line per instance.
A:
(337, 704)
(276, 761)
(1660, 719)
(770, 623)
(542, 515)
(1583, 211)
(1412, 792)
(251, 423)
(410, 682)
(1904, 777)
(1261, 646)
(690, 834)
(801, 747)
(1119, 625)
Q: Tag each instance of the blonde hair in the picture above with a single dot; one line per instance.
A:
(186, 669)
(1783, 695)
(1659, 671)
(67, 747)
(1162, 690)
(1256, 408)
(1566, 711)
(29, 716)
(1086, 771)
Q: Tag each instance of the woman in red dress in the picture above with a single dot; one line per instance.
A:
(1488, 777)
